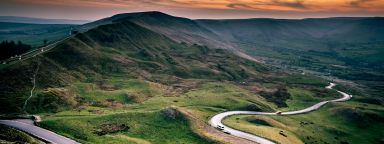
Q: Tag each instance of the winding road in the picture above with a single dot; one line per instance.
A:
(215, 121)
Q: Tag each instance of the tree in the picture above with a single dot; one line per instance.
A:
(10, 48)
(45, 42)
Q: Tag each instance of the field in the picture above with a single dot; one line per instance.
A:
(348, 122)
(121, 109)
(10, 135)
(153, 121)
(150, 127)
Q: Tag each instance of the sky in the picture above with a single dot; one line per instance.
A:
(194, 9)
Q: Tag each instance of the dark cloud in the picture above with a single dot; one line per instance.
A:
(358, 3)
(298, 4)
(239, 5)
(295, 4)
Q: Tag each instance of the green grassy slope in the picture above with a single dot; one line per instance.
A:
(176, 28)
(352, 123)
(348, 48)
(154, 127)
(116, 82)
(91, 83)
(327, 45)
(124, 49)
(120, 68)
(11, 135)
(319, 41)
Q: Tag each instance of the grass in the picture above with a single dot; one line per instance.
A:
(154, 127)
(301, 98)
(203, 97)
(303, 79)
(145, 119)
(263, 127)
(210, 97)
(335, 123)
(11, 135)
(124, 91)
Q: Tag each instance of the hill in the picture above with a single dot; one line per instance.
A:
(325, 45)
(125, 49)
(154, 78)
(127, 78)
(332, 40)
(177, 28)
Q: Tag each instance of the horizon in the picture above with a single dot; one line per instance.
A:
(195, 9)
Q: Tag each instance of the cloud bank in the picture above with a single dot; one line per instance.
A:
(94, 9)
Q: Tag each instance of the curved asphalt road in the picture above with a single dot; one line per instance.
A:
(46, 135)
(216, 120)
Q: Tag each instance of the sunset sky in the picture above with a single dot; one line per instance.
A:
(195, 9)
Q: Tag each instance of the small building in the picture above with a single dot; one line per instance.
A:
(73, 31)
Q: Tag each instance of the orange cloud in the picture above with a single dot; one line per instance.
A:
(94, 9)
(268, 5)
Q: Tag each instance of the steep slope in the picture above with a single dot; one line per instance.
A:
(122, 48)
(326, 45)
(179, 29)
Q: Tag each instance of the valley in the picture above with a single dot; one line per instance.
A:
(154, 78)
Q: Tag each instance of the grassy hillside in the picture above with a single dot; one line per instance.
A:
(328, 45)
(348, 48)
(126, 80)
(176, 28)
(11, 135)
(352, 123)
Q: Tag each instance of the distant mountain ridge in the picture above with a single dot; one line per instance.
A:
(279, 36)
(325, 45)
(30, 20)
(232, 32)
